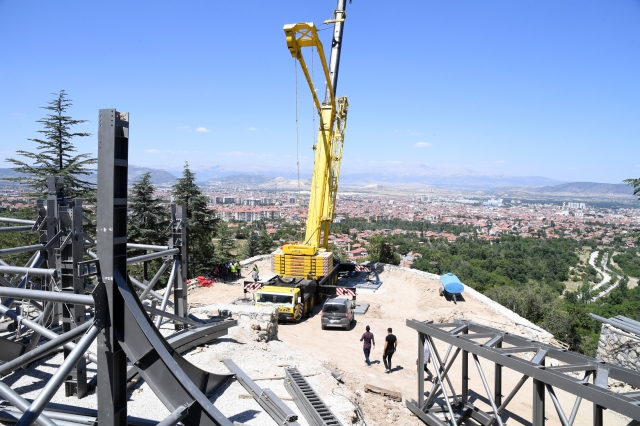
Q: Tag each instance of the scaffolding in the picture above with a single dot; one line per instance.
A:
(444, 406)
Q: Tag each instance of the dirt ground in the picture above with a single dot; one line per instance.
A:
(404, 295)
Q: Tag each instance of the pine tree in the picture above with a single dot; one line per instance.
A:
(147, 219)
(54, 156)
(202, 222)
(226, 243)
(253, 247)
(265, 243)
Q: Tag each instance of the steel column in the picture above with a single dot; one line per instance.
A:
(180, 240)
(113, 151)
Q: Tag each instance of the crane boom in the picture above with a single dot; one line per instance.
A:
(304, 259)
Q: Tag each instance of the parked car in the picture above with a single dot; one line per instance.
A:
(337, 313)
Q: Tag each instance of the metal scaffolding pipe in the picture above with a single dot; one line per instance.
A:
(437, 367)
(556, 404)
(26, 271)
(22, 249)
(147, 247)
(49, 296)
(155, 294)
(14, 220)
(155, 279)
(169, 315)
(42, 330)
(167, 291)
(15, 229)
(22, 404)
(43, 350)
(488, 390)
(43, 398)
(152, 256)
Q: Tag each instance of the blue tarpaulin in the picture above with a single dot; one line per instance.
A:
(451, 284)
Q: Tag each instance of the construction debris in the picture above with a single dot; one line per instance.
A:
(396, 396)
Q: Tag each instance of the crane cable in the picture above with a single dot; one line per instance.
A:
(295, 63)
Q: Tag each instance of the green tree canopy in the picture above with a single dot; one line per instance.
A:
(148, 220)
(382, 252)
(202, 222)
(54, 155)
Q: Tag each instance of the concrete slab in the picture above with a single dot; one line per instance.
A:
(361, 308)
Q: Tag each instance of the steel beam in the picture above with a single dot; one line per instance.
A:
(113, 154)
(146, 247)
(45, 395)
(155, 278)
(150, 256)
(43, 350)
(595, 393)
(15, 229)
(19, 221)
(22, 404)
(273, 405)
(48, 296)
(27, 271)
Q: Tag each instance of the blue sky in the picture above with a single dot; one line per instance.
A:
(518, 88)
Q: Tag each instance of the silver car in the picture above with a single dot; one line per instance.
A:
(337, 313)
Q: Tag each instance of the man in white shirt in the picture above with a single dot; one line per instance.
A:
(427, 359)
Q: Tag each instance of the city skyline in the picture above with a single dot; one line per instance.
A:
(498, 88)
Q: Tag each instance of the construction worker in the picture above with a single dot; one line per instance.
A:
(238, 269)
(233, 270)
(255, 273)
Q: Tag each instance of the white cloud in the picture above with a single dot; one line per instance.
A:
(422, 144)
(253, 129)
(202, 130)
(412, 133)
(159, 151)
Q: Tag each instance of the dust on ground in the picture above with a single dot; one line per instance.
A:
(403, 295)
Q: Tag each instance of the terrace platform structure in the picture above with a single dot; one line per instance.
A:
(551, 369)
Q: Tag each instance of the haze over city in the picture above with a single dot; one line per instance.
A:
(520, 89)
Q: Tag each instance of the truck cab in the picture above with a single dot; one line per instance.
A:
(288, 301)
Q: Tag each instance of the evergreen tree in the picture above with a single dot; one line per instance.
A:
(147, 218)
(226, 243)
(202, 222)
(382, 252)
(54, 156)
(265, 243)
(253, 247)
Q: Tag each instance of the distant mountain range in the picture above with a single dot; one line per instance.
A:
(585, 188)
(422, 175)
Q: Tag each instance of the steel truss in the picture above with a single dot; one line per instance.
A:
(468, 338)
(73, 312)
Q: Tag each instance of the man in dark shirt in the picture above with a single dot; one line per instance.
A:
(368, 339)
(390, 346)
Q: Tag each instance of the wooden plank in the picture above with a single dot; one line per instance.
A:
(397, 396)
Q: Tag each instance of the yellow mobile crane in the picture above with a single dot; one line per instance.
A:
(306, 270)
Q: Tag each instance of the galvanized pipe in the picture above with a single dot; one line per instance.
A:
(152, 256)
(35, 262)
(42, 330)
(427, 341)
(22, 249)
(14, 220)
(513, 393)
(49, 296)
(43, 398)
(15, 229)
(155, 295)
(556, 404)
(167, 292)
(147, 247)
(26, 271)
(155, 279)
(488, 390)
(60, 418)
(43, 350)
(169, 315)
(22, 404)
